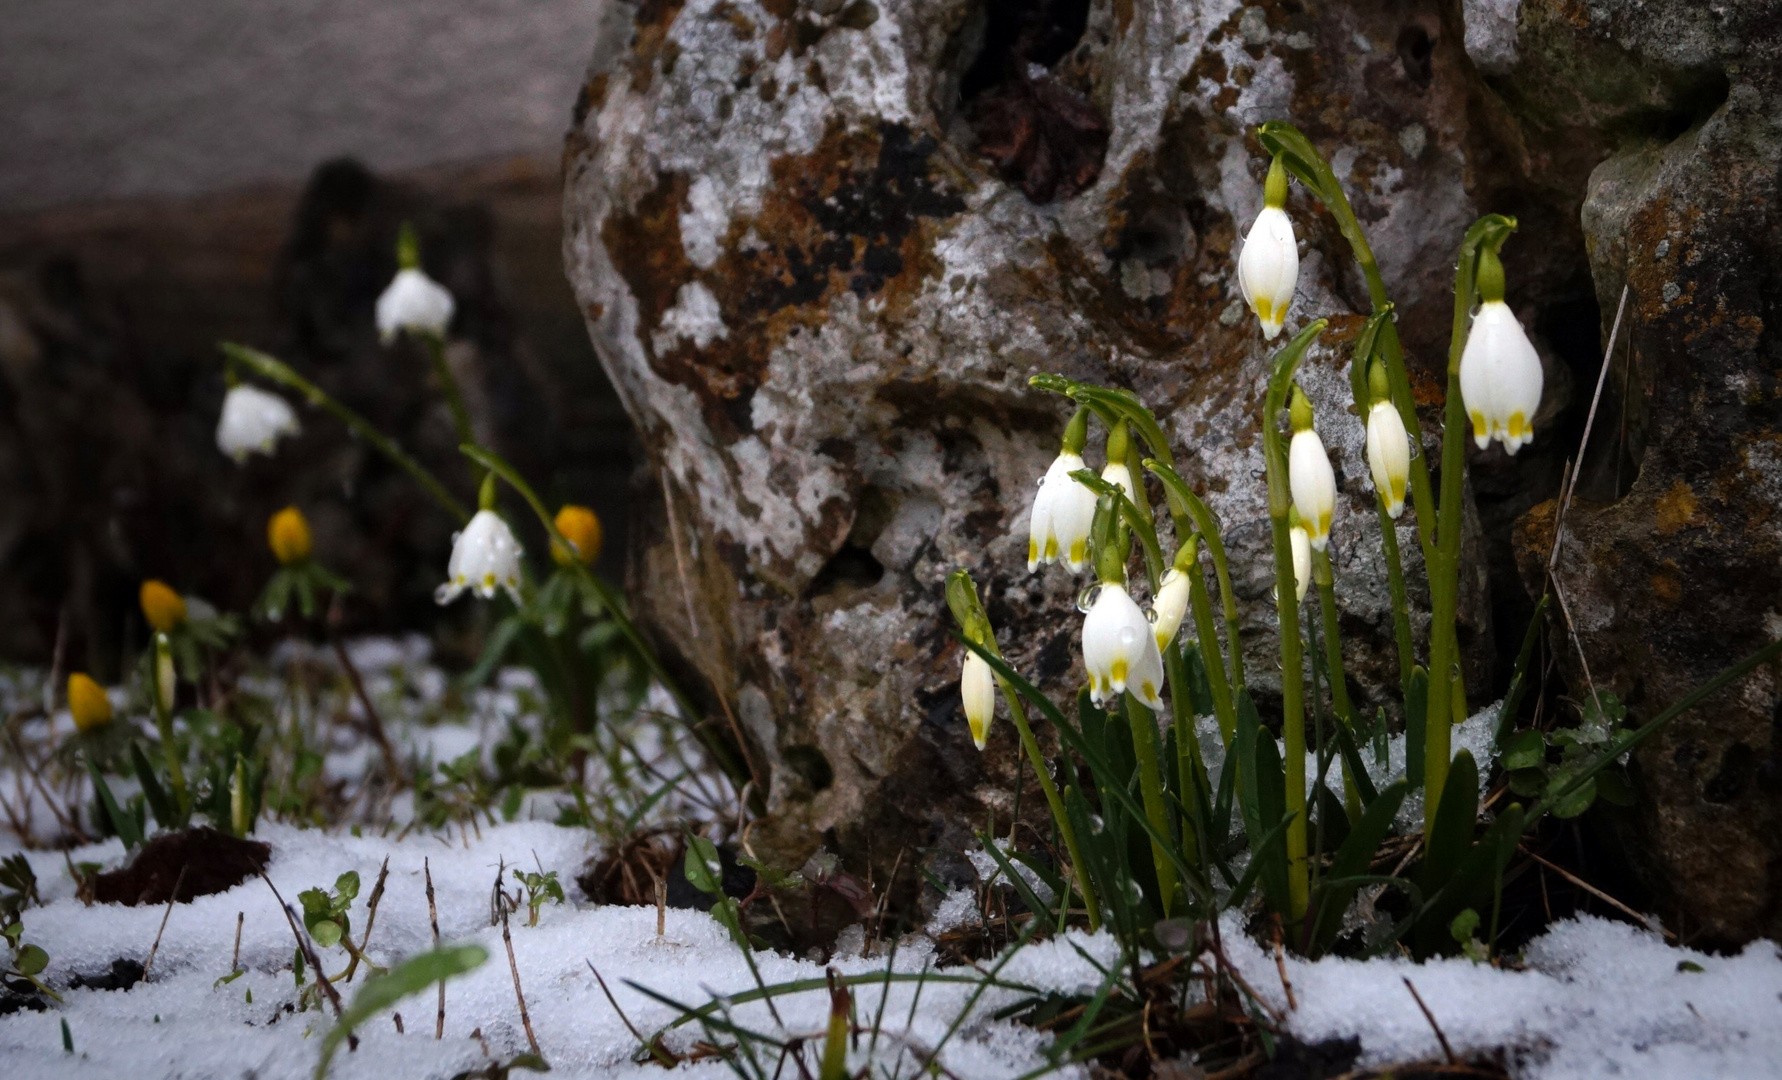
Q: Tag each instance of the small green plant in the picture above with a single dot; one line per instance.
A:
(325, 913)
(540, 889)
(1528, 758)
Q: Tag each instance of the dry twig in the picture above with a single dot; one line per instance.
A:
(165, 915)
(1447, 1050)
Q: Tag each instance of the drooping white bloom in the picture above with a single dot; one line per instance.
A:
(1313, 484)
(1500, 378)
(1118, 474)
(1063, 510)
(1388, 455)
(413, 302)
(1120, 650)
(1302, 561)
(977, 686)
(1268, 268)
(252, 421)
(485, 556)
(1169, 606)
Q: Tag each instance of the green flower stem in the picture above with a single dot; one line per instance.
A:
(1079, 868)
(275, 371)
(1144, 748)
(1293, 709)
(1302, 159)
(1488, 233)
(1191, 514)
(1325, 580)
(449, 386)
(1223, 700)
(1189, 768)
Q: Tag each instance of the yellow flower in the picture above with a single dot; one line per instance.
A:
(161, 606)
(287, 533)
(581, 528)
(88, 702)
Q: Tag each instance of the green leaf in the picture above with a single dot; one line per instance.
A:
(30, 960)
(162, 807)
(703, 869)
(1416, 708)
(347, 886)
(1691, 966)
(380, 992)
(1525, 750)
(326, 932)
(314, 901)
(127, 829)
(1612, 787)
(1352, 860)
(1574, 801)
(1464, 926)
(1529, 783)
(1262, 797)
(1456, 819)
(1506, 717)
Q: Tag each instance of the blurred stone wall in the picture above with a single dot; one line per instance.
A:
(176, 176)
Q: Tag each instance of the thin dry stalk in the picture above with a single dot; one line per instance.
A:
(235, 956)
(661, 908)
(1447, 1050)
(165, 915)
(1589, 422)
(512, 965)
(374, 723)
(377, 893)
(1598, 893)
(309, 953)
(1281, 967)
(433, 917)
(680, 564)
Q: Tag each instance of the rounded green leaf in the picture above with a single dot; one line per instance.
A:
(1578, 801)
(30, 960)
(1525, 750)
(326, 932)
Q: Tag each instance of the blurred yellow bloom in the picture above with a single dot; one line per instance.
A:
(287, 533)
(88, 702)
(581, 528)
(164, 609)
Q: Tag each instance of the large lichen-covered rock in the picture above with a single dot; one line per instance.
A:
(1672, 567)
(821, 246)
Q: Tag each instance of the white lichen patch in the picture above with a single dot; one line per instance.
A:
(694, 317)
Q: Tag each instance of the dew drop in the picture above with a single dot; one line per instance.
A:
(1086, 599)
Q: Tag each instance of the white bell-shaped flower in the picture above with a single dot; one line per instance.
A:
(1120, 475)
(1302, 561)
(1063, 511)
(1169, 607)
(485, 557)
(1268, 265)
(1500, 378)
(977, 687)
(413, 302)
(252, 421)
(1313, 484)
(1388, 455)
(1119, 649)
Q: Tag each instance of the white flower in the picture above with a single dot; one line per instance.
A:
(1500, 378)
(1169, 606)
(977, 686)
(1063, 510)
(1302, 561)
(413, 302)
(1268, 268)
(253, 420)
(1313, 484)
(485, 556)
(1388, 455)
(1120, 651)
(1117, 473)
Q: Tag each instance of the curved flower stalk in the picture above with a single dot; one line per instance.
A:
(1268, 265)
(1063, 509)
(974, 624)
(1309, 474)
(252, 421)
(1500, 372)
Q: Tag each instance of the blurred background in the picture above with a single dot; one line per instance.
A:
(177, 174)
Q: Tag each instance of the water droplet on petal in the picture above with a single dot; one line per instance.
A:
(1086, 599)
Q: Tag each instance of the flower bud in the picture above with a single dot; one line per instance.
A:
(581, 527)
(88, 702)
(977, 688)
(1302, 561)
(287, 534)
(166, 682)
(164, 609)
(1170, 606)
(252, 421)
(1388, 455)
(1309, 475)
(1268, 265)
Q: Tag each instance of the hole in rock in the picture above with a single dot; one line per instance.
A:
(1031, 118)
(852, 567)
(1737, 764)
(811, 765)
(1416, 49)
